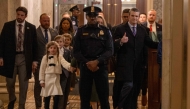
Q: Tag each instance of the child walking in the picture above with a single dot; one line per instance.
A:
(59, 101)
(50, 70)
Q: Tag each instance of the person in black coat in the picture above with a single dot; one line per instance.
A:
(75, 13)
(18, 55)
(92, 47)
(129, 40)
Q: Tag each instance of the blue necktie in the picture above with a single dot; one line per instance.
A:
(134, 31)
(46, 35)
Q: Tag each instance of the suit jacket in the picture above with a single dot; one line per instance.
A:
(129, 55)
(8, 47)
(67, 56)
(42, 42)
(158, 30)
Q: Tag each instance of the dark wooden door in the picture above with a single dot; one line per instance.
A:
(112, 11)
(153, 80)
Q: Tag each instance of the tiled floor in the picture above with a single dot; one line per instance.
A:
(73, 99)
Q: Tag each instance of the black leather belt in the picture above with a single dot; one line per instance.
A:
(19, 52)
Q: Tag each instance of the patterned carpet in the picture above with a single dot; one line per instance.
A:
(74, 99)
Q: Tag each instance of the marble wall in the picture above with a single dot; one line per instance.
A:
(157, 5)
(35, 9)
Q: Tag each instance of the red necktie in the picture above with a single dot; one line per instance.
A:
(150, 28)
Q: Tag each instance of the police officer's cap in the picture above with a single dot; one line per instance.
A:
(92, 10)
(74, 8)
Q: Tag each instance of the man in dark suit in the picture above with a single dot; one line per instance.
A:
(44, 35)
(155, 28)
(18, 55)
(125, 18)
(155, 33)
(130, 39)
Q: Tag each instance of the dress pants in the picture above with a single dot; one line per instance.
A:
(122, 93)
(20, 69)
(100, 78)
(60, 101)
(37, 88)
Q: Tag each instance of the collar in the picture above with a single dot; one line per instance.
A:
(67, 47)
(93, 25)
(148, 24)
(131, 26)
(23, 23)
(43, 28)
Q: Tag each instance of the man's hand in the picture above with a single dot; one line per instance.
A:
(1, 61)
(34, 66)
(124, 39)
(93, 65)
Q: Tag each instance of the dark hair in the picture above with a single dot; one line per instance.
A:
(143, 14)
(42, 15)
(23, 9)
(126, 10)
(134, 10)
(60, 25)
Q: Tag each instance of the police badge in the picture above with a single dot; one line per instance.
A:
(101, 32)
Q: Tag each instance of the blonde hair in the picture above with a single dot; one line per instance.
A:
(58, 37)
(104, 21)
(67, 35)
(48, 45)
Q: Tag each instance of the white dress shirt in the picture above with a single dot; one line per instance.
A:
(43, 31)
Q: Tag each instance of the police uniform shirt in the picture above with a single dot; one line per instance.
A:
(93, 42)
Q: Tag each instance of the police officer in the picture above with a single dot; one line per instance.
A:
(92, 47)
(75, 13)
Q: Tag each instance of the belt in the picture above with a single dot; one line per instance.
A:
(19, 52)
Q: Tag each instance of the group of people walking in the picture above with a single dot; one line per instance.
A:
(54, 55)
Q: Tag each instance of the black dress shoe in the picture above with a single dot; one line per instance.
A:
(11, 104)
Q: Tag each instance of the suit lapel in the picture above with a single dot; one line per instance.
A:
(157, 27)
(41, 35)
(13, 30)
(51, 33)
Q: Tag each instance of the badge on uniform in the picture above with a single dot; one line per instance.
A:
(85, 34)
(101, 32)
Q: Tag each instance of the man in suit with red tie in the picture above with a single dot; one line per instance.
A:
(18, 55)
(129, 40)
(155, 33)
(155, 28)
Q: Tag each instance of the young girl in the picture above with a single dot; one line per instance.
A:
(50, 70)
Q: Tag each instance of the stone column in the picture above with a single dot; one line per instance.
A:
(176, 58)
(36, 8)
(187, 22)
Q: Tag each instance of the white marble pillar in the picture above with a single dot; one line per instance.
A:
(36, 8)
(166, 52)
